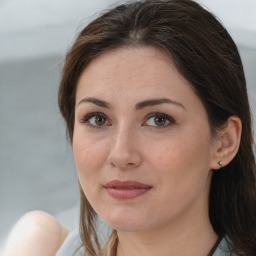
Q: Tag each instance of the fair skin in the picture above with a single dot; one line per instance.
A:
(123, 132)
(36, 233)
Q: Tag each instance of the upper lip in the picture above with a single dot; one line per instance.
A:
(126, 184)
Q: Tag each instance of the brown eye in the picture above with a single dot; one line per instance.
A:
(99, 120)
(95, 120)
(160, 121)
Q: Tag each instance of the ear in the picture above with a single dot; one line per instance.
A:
(227, 143)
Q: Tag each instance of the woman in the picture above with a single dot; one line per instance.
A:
(154, 97)
(155, 101)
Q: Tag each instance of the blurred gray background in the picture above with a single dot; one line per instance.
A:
(37, 170)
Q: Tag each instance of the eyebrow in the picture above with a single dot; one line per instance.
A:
(100, 103)
(138, 106)
(153, 102)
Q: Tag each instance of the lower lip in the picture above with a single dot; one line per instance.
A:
(126, 193)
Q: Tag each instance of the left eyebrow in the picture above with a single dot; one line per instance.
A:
(153, 102)
(98, 102)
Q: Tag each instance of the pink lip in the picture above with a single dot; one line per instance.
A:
(126, 189)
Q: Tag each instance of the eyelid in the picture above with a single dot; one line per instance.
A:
(90, 115)
(159, 114)
(86, 118)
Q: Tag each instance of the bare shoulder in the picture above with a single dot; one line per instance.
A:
(36, 233)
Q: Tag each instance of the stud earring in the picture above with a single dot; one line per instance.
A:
(220, 163)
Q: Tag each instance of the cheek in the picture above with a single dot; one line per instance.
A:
(182, 161)
(89, 156)
(177, 153)
(88, 166)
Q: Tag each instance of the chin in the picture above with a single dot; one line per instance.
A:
(127, 223)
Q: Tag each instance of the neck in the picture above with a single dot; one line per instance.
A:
(188, 236)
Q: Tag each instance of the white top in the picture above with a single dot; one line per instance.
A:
(73, 241)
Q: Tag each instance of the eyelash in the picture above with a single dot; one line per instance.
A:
(168, 118)
(85, 120)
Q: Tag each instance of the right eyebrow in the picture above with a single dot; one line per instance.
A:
(153, 102)
(100, 103)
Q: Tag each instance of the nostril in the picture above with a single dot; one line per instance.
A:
(123, 153)
(124, 161)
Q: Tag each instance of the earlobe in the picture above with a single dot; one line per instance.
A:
(228, 143)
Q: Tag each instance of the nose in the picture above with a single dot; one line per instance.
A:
(124, 151)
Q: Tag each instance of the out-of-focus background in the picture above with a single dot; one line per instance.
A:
(37, 170)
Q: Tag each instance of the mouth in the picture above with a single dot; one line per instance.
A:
(126, 189)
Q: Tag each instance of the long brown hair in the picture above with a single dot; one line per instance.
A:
(205, 54)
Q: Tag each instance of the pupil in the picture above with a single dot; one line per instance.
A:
(100, 120)
(160, 121)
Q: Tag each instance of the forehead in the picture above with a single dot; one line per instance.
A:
(132, 69)
(122, 62)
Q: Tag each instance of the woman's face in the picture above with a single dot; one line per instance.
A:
(142, 141)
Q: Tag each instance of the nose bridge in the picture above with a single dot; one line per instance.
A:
(123, 152)
(123, 135)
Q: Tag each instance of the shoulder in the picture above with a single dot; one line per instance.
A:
(36, 233)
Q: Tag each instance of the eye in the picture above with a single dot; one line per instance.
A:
(159, 120)
(95, 120)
